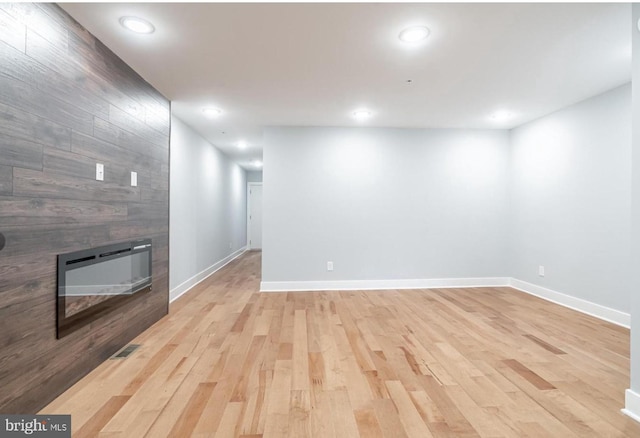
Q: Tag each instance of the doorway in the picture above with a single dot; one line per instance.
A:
(254, 215)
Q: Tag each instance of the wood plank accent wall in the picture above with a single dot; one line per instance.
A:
(66, 103)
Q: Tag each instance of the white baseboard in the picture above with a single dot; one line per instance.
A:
(185, 286)
(632, 404)
(606, 313)
(305, 286)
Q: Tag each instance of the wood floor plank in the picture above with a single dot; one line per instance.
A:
(368, 424)
(529, 375)
(277, 422)
(342, 414)
(192, 412)
(544, 344)
(300, 353)
(229, 421)
(229, 361)
(387, 416)
(92, 427)
(409, 416)
(299, 414)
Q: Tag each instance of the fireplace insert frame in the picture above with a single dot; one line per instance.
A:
(87, 257)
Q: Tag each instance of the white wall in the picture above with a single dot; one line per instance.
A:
(254, 176)
(207, 208)
(571, 200)
(384, 204)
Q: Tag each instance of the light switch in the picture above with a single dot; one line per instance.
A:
(99, 172)
(134, 179)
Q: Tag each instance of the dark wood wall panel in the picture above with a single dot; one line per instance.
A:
(66, 103)
(6, 180)
(22, 125)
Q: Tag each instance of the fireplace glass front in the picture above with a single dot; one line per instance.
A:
(94, 281)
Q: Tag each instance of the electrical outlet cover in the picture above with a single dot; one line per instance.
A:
(99, 172)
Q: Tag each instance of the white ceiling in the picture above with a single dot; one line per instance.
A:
(314, 64)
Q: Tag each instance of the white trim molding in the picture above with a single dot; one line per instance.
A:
(305, 286)
(606, 313)
(187, 285)
(632, 404)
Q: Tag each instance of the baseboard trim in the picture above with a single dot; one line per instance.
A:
(632, 404)
(440, 283)
(187, 285)
(605, 313)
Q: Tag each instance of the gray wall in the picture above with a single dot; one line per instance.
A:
(384, 203)
(571, 200)
(254, 176)
(207, 205)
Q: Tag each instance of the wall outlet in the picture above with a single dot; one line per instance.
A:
(541, 271)
(134, 179)
(99, 172)
(329, 266)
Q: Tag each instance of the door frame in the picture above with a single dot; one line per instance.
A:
(249, 185)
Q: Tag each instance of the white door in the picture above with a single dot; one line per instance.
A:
(255, 216)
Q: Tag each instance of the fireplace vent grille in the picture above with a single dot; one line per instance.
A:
(126, 351)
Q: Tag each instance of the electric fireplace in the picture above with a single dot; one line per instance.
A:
(95, 281)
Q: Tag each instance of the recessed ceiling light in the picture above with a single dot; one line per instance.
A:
(501, 116)
(414, 34)
(212, 113)
(361, 114)
(257, 163)
(137, 25)
(242, 144)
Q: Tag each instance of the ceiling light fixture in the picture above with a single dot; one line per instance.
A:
(257, 163)
(414, 34)
(242, 144)
(212, 113)
(137, 25)
(361, 114)
(501, 116)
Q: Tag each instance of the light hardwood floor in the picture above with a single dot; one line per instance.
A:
(489, 362)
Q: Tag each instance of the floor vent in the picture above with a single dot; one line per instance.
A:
(126, 351)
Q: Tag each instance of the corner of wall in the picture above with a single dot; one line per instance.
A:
(631, 404)
(190, 283)
(601, 312)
